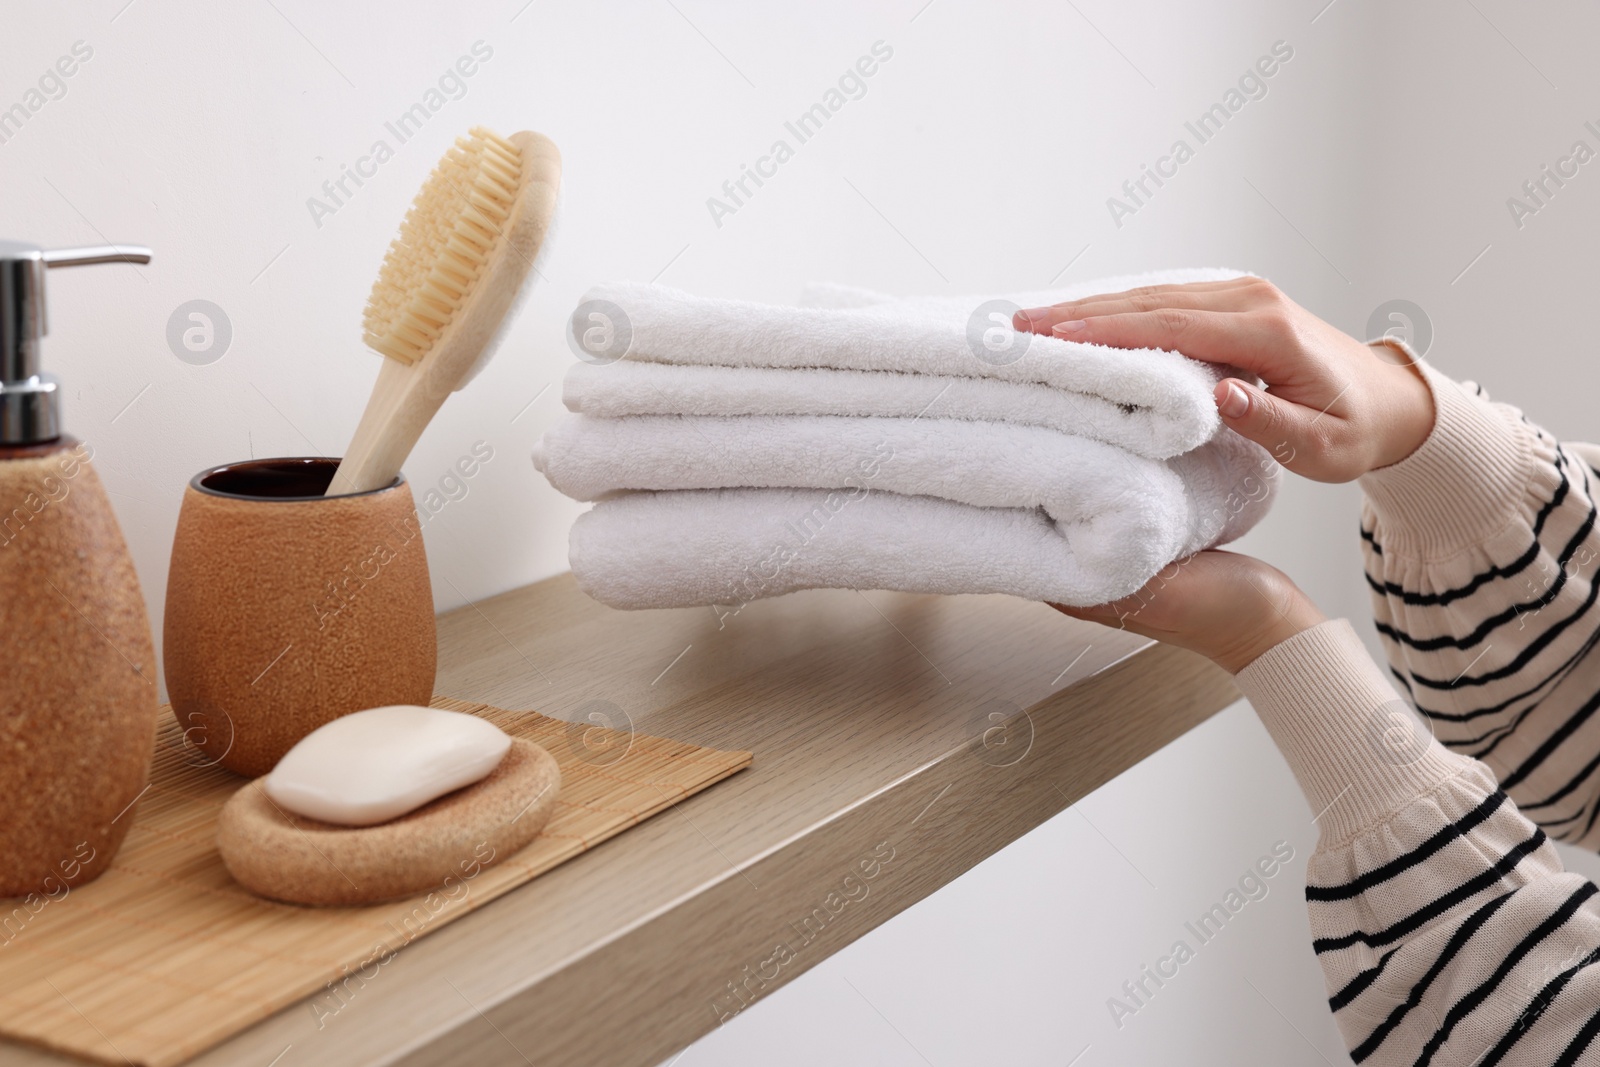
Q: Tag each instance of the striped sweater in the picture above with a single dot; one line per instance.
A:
(1447, 930)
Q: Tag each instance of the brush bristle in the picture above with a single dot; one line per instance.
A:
(447, 238)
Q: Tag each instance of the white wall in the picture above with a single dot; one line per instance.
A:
(980, 159)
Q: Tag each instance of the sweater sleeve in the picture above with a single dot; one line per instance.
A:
(1480, 552)
(1446, 929)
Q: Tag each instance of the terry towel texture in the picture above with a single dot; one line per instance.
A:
(923, 505)
(855, 352)
(740, 451)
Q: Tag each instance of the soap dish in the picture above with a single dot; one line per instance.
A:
(278, 854)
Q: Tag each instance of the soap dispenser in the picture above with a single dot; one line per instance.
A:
(78, 669)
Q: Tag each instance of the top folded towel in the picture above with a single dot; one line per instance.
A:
(861, 353)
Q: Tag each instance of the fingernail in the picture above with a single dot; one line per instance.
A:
(1233, 401)
(1067, 329)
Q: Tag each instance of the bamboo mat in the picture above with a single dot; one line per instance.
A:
(165, 955)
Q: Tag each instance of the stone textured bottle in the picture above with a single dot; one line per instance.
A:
(77, 670)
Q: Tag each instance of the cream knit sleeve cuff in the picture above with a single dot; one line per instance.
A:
(1462, 485)
(1358, 751)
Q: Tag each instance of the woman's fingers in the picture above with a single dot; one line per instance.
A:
(1287, 430)
(1230, 295)
(1106, 613)
(1213, 336)
(1042, 320)
(1121, 614)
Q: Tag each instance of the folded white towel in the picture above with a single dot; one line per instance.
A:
(860, 353)
(634, 387)
(923, 505)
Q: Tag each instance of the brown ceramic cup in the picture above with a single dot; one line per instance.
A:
(287, 609)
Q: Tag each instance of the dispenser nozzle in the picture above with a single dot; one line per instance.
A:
(84, 257)
(30, 404)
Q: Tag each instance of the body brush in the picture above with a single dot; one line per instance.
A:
(446, 288)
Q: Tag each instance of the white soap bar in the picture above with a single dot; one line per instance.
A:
(375, 765)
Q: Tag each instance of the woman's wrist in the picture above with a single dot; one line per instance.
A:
(1409, 417)
(1294, 615)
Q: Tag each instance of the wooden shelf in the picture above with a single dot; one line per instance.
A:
(899, 740)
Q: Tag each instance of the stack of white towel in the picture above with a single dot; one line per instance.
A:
(739, 450)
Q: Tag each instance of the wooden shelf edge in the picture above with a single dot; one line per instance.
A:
(760, 927)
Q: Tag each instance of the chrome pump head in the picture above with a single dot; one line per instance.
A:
(30, 401)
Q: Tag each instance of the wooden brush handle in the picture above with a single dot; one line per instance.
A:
(399, 410)
(406, 396)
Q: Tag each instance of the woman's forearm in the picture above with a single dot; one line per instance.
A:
(1445, 926)
(1481, 549)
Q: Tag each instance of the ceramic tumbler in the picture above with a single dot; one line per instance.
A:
(77, 675)
(287, 609)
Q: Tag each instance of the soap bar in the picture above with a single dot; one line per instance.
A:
(375, 765)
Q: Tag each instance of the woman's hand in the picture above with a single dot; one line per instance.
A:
(1333, 409)
(1227, 607)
